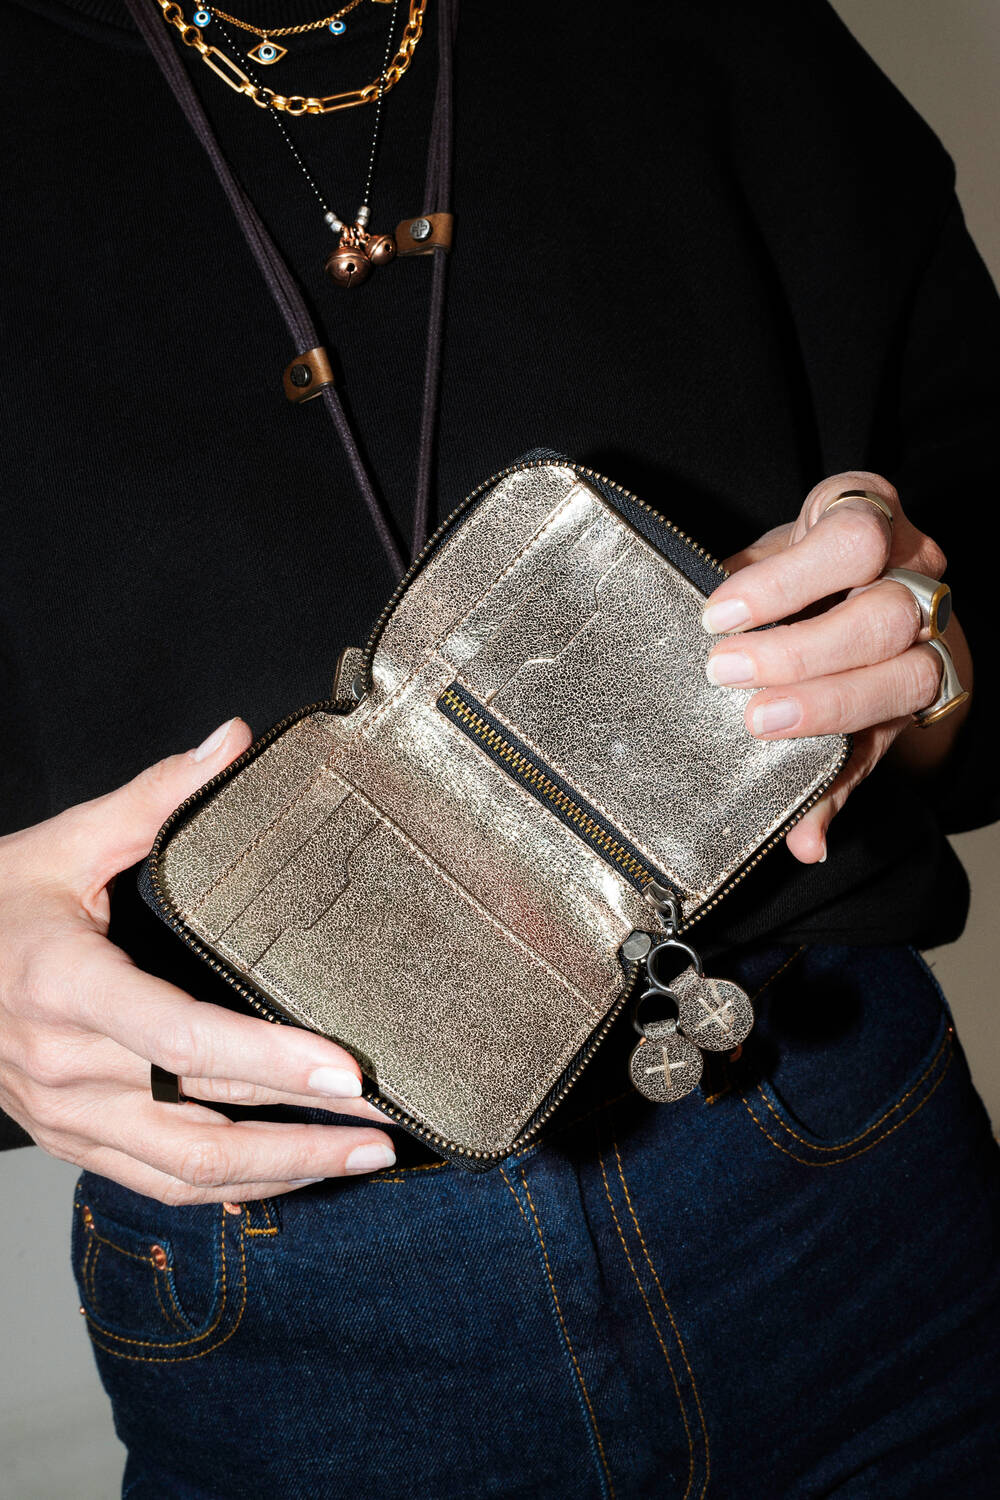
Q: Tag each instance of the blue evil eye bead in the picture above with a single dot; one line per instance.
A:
(202, 17)
(338, 28)
(266, 52)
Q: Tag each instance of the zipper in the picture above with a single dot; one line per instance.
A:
(633, 967)
(538, 778)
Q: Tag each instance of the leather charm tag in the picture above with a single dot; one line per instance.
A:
(714, 1013)
(665, 1066)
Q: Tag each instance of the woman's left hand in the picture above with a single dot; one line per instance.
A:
(854, 666)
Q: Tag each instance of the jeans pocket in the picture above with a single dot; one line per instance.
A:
(851, 1043)
(156, 1283)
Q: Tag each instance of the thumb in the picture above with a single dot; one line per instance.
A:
(116, 830)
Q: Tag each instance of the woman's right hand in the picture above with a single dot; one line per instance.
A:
(80, 1024)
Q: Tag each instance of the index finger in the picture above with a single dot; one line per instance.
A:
(828, 552)
(195, 1039)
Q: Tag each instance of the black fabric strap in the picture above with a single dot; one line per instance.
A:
(283, 286)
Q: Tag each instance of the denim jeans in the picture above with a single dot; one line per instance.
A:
(786, 1285)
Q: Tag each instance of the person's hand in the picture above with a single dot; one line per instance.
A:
(80, 1024)
(855, 665)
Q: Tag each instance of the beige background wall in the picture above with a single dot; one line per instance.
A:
(55, 1430)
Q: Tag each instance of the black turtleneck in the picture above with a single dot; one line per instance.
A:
(709, 250)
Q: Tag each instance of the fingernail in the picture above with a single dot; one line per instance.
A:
(369, 1158)
(337, 1082)
(729, 667)
(822, 858)
(725, 615)
(304, 1181)
(781, 713)
(209, 746)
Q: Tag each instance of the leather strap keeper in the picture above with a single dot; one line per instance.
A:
(307, 374)
(423, 234)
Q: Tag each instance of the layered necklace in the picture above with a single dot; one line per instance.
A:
(310, 371)
(358, 250)
(224, 67)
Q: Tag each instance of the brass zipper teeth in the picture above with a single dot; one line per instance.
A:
(610, 847)
(345, 705)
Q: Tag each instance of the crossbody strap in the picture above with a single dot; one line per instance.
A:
(285, 290)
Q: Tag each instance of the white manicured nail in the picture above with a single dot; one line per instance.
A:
(304, 1181)
(729, 668)
(369, 1158)
(725, 615)
(215, 739)
(781, 713)
(336, 1082)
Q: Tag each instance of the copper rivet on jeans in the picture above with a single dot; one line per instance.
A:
(233, 1208)
(159, 1256)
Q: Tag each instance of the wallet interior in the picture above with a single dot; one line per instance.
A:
(442, 878)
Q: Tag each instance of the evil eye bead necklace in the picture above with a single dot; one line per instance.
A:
(267, 51)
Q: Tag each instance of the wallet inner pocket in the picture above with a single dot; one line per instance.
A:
(450, 1012)
(524, 765)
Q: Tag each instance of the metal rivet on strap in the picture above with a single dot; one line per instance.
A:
(307, 374)
(422, 235)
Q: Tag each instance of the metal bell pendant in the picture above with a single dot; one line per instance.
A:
(349, 265)
(381, 249)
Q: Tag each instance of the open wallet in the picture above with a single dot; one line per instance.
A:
(499, 834)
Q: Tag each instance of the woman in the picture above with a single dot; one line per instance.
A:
(737, 280)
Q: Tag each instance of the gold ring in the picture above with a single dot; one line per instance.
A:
(873, 499)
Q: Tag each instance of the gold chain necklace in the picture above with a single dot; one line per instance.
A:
(298, 104)
(267, 51)
(267, 31)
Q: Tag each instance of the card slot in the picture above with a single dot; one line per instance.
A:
(455, 1021)
(251, 810)
(308, 883)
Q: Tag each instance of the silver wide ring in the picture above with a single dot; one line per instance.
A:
(933, 599)
(951, 692)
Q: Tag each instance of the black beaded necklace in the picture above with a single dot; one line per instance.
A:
(359, 251)
(309, 374)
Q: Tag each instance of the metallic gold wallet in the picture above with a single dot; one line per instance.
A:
(464, 867)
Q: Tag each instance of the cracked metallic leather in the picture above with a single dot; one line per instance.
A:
(385, 879)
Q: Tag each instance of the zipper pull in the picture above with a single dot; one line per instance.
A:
(714, 1015)
(348, 674)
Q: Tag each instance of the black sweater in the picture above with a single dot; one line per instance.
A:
(709, 250)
